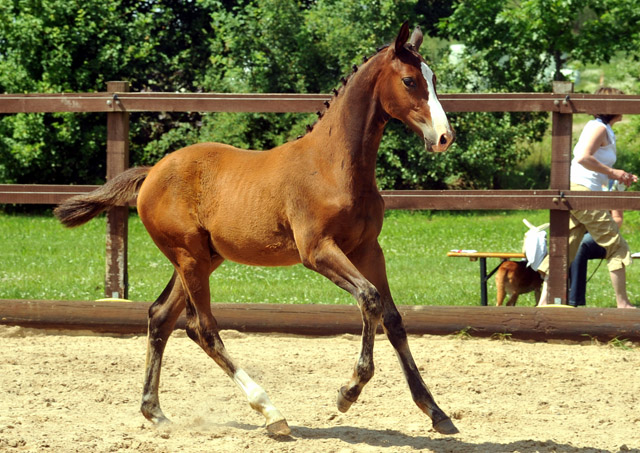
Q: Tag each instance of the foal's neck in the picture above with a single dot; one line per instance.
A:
(352, 127)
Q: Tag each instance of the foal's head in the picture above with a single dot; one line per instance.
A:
(408, 91)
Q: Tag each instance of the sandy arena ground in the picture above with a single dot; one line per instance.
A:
(80, 392)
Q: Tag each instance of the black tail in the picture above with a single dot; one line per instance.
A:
(116, 192)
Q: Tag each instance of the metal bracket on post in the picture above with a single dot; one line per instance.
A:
(116, 272)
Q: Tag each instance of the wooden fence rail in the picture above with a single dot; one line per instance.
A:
(561, 323)
(117, 102)
(460, 200)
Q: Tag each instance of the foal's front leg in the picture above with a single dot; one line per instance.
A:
(331, 262)
(363, 372)
(370, 261)
(394, 328)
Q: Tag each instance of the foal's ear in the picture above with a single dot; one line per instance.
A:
(416, 38)
(402, 37)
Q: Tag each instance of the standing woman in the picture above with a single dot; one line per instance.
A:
(592, 166)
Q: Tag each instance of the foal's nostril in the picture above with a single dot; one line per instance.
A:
(443, 139)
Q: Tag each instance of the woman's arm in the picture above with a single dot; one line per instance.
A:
(597, 139)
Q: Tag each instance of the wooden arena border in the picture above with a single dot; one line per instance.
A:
(523, 323)
(117, 102)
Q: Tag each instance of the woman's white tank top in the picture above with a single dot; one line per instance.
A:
(605, 155)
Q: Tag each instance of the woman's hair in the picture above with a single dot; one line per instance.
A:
(607, 117)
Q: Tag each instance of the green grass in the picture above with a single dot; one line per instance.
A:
(39, 259)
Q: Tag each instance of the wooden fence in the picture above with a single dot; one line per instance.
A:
(524, 323)
(117, 102)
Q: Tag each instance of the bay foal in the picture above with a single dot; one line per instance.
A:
(313, 200)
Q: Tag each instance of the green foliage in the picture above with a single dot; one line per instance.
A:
(43, 148)
(502, 336)
(519, 43)
(622, 72)
(226, 46)
(515, 47)
(628, 145)
(489, 147)
(464, 334)
(288, 46)
(284, 47)
(61, 46)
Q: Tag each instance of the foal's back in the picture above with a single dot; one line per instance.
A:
(196, 192)
(200, 188)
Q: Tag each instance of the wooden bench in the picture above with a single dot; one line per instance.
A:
(482, 257)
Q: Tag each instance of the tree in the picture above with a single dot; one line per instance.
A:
(515, 44)
(285, 46)
(68, 46)
(521, 46)
(160, 45)
(308, 52)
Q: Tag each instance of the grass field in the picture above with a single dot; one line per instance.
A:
(39, 259)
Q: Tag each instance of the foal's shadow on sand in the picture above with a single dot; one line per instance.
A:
(392, 438)
(389, 438)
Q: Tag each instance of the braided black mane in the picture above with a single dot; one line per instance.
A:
(336, 92)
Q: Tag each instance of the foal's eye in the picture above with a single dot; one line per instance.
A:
(409, 82)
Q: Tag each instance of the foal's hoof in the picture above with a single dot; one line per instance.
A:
(445, 426)
(343, 403)
(164, 421)
(156, 417)
(279, 428)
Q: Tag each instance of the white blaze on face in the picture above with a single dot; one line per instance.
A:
(438, 117)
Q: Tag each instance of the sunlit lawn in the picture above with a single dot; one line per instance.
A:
(39, 259)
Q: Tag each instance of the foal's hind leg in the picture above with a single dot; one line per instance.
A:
(163, 315)
(203, 329)
(372, 265)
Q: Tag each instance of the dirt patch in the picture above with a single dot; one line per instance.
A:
(80, 392)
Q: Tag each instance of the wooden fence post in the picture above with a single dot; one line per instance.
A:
(116, 276)
(562, 124)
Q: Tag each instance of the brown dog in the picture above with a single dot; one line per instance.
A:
(516, 278)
